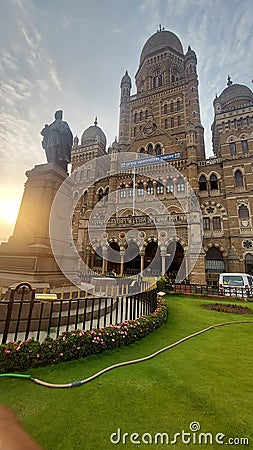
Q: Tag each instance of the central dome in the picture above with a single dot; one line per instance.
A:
(93, 134)
(236, 93)
(161, 40)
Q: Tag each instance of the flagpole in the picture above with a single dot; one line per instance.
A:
(134, 175)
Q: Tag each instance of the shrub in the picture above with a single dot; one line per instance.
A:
(21, 355)
(234, 309)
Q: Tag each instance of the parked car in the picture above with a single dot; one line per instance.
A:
(236, 285)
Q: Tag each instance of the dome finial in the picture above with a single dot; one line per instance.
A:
(160, 28)
(229, 81)
(96, 121)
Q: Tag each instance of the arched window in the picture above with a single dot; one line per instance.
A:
(202, 183)
(85, 199)
(238, 178)
(158, 150)
(172, 122)
(159, 187)
(232, 148)
(213, 182)
(100, 194)
(244, 145)
(243, 212)
(206, 223)
(140, 189)
(122, 191)
(157, 81)
(135, 117)
(141, 114)
(170, 185)
(249, 263)
(150, 149)
(180, 185)
(150, 188)
(178, 105)
(216, 223)
(146, 114)
(134, 131)
(106, 194)
(142, 150)
(171, 107)
(178, 121)
(165, 123)
(165, 108)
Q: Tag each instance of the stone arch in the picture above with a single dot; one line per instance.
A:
(218, 246)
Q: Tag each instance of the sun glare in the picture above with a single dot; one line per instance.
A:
(9, 210)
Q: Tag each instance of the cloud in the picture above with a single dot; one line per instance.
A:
(54, 77)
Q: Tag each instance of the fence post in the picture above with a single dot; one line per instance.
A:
(30, 314)
(8, 317)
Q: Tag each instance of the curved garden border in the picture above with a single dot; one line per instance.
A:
(22, 355)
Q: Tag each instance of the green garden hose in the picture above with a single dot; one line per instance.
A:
(126, 363)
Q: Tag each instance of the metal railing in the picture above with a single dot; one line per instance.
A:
(23, 316)
(198, 289)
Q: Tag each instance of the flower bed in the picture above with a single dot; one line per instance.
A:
(21, 355)
(234, 309)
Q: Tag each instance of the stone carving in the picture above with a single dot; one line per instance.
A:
(58, 141)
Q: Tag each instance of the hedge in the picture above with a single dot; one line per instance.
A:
(21, 355)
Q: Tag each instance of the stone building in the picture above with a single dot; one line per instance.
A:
(163, 118)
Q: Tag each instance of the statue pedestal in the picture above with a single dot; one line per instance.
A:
(27, 256)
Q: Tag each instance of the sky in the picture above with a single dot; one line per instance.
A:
(71, 55)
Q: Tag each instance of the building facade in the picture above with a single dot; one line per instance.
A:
(163, 118)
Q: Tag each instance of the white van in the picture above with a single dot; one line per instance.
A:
(236, 285)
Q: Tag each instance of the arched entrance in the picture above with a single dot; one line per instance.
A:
(214, 265)
(152, 259)
(132, 264)
(113, 257)
(249, 263)
(174, 259)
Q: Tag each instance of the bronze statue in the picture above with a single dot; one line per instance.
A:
(58, 141)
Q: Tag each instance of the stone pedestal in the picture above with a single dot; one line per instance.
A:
(27, 256)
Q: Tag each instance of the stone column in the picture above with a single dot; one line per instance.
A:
(105, 260)
(122, 258)
(142, 255)
(163, 256)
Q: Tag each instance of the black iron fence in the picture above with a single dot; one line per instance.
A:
(198, 289)
(23, 316)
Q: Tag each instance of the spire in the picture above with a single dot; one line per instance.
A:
(96, 121)
(229, 81)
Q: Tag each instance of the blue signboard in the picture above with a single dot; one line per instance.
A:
(152, 160)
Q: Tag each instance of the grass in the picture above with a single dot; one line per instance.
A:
(207, 379)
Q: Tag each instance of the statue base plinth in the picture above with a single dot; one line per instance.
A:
(27, 256)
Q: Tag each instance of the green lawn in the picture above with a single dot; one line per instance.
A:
(207, 379)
